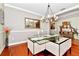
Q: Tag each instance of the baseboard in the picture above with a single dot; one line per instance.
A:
(17, 43)
(2, 49)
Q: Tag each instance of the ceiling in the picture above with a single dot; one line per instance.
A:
(41, 8)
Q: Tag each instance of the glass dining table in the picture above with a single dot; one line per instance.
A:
(53, 43)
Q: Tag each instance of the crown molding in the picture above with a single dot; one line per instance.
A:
(18, 8)
(37, 14)
(67, 10)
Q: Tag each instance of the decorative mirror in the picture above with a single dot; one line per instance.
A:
(32, 23)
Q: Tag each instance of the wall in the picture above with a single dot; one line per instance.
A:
(21, 36)
(1, 13)
(14, 19)
(2, 38)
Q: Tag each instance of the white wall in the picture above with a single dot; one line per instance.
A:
(2, 41)
(21, 36)
(14, 19)
(1, 12)
(2, 38)
(1, 6)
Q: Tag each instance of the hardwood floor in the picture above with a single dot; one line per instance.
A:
(21, 50)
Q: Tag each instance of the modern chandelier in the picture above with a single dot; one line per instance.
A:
(47, 16)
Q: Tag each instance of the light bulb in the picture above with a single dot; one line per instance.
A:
(42, 18)
(48, 16)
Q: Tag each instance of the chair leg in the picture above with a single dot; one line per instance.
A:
(66, 53)
(45, 52)
(70, 50)
(28, 51)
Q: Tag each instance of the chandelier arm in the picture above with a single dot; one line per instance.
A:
(51, 11)
(47, 11)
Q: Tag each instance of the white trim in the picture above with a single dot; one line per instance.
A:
(2, 49)
(58, 13)
(66, 10)
(11, 6)
(17, 43)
